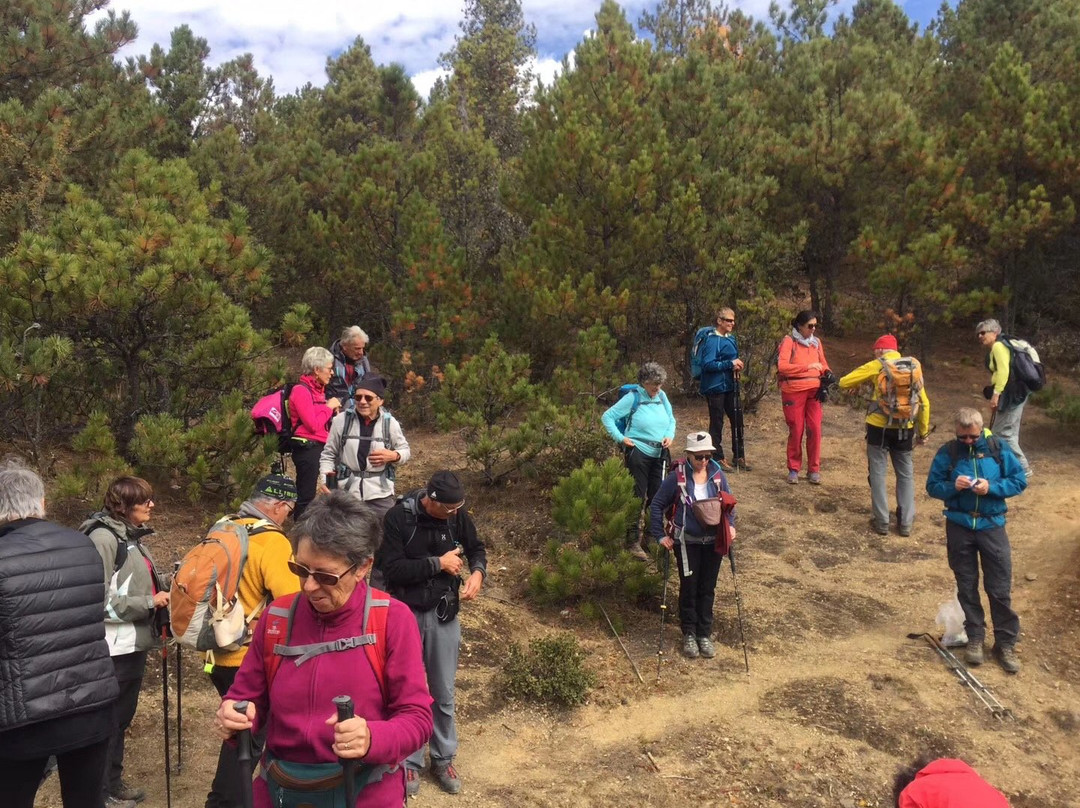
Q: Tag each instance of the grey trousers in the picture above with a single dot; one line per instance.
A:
(1007, 427)
(881, 446)
(991, 547)
(441, 642)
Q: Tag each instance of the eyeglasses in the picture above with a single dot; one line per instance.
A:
(707, 456)
(967, 438)
(727, 319)
(811, 325)
(321, 578)
(982, 333)
(450, 508)
(365, 399)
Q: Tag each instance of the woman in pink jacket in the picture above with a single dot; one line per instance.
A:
(310, 412)
(325, 642)
(800, 366)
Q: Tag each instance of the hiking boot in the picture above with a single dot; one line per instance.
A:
(881, 530)
(905, 530)
(726, 466)
(706, 647)
(1006, 657)
(636, 551)
(690, 647)
(123, 791)
(793, 477)
(448, 778)
(113, 802)
(412, 782)
(973, 654)
(742, 465)
(815, 478)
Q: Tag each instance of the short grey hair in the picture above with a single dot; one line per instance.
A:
(993, 326)
(353, 333)
(651, 372)
(22, 493)
(968, 416)
(339, 525)
(315, 358)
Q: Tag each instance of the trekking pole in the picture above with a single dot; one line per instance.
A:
(738, 607)
(165, 713)
(344, 706)
(663, 614)
(737, 447)
(603, 611)
(245, 758)
(179, 713)
(966, 677)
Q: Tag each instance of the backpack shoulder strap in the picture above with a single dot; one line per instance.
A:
(386, 429)
(278, 630)
(376, 611)
(995, 451)
(121, 543)
(953, 448)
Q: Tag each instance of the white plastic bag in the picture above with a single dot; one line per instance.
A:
(950, 619)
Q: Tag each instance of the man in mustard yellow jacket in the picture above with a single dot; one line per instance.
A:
(265, 578)
(888, 439)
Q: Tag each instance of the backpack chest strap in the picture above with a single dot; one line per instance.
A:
(305, 652)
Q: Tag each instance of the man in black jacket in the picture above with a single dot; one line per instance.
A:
(428, 540)
(57, 684)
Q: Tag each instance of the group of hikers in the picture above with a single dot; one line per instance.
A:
(692, 510)
(360, 597)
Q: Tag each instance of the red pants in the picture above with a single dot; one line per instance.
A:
(802, 411)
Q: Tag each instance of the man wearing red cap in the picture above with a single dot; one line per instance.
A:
(888, 439)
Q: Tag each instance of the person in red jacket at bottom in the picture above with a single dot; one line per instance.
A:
(944, 783)
(333, 546)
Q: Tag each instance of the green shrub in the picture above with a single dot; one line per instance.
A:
(96, 463)
(552, 671)
(593, 506)
(1059, 404)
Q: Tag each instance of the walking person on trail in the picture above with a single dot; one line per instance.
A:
(800, 366)
(336, 638)
(974, 475)
(57, 682)
(897, 417)
(429, 546)
(643, 424)
(720, 366)
(135, 602)
(351, 365)
(698, 534)
(265, 578)
(1006, 400)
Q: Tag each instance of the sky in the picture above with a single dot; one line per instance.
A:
(291, 41)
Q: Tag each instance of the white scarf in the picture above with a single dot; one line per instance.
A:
(810, 342)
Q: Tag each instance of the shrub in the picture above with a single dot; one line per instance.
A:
(552, 671)
(1059, 404)
(593, 506)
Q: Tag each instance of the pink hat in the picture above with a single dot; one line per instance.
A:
(886, 342)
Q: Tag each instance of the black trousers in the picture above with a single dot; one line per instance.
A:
(697, 591)
(966, 549)
(225, 789)
(306, 459)
(721, 404)
(646, 472)
(129, 675)
(81, 774)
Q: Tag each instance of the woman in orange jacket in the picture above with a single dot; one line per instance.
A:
(800, 366)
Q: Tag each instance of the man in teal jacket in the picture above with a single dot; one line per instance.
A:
(974, 475)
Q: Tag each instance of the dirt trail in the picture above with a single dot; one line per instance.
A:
(837, 697)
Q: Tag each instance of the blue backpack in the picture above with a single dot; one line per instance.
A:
(623, 423)
(697, 349)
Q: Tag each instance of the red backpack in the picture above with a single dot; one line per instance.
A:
(279, 624)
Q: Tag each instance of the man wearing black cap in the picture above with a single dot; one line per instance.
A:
(265, 577)
(428, 540)
(364, 447)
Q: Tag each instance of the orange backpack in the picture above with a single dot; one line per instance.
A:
(896, 391)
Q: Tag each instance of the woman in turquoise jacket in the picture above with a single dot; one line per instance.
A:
(642, 423)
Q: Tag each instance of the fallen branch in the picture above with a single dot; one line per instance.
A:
(603, 611)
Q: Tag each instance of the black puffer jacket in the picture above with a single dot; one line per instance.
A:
(53, 657)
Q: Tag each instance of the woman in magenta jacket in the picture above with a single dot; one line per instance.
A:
(800, 366)
(333, 547)
(310, 412)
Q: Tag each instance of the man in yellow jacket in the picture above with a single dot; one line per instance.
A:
(265, 578)
(887, 440)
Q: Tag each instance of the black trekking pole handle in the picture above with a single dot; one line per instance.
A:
(244, 757)
(345, 711)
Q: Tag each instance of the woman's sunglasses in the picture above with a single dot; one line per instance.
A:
(701, 456)
(321, 578)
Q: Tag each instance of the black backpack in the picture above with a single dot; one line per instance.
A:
(1024, 364)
